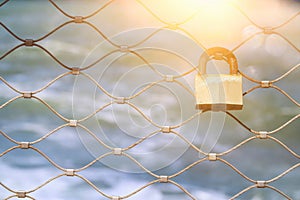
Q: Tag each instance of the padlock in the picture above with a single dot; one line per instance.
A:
(218, 92)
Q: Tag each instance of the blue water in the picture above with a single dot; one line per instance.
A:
(29, 69)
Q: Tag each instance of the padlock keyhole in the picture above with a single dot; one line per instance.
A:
(217, 67)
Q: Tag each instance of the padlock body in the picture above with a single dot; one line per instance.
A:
(218, 92)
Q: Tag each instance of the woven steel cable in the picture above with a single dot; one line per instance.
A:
(82, 19)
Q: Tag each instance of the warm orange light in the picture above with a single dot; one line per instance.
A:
(212, 21)
(178, 10)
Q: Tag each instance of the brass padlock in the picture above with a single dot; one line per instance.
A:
(218, 92)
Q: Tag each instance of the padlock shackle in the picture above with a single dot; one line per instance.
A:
(218, 53)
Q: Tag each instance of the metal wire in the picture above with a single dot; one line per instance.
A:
(158, 179)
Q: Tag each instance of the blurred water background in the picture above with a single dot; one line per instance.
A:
(265, 57)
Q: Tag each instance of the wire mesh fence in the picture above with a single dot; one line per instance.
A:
(127, 49)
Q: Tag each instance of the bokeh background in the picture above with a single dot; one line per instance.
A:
(217, 23)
